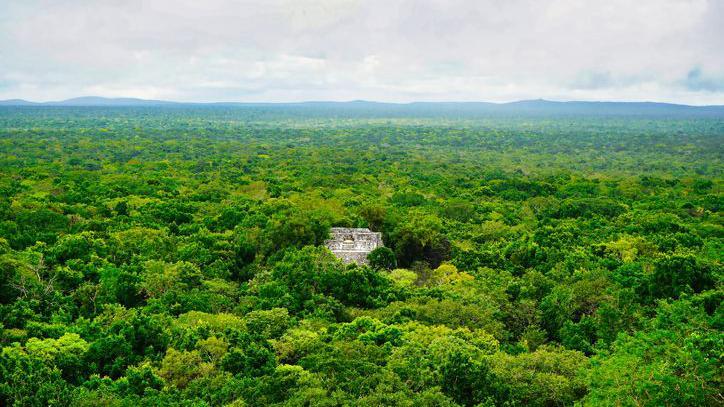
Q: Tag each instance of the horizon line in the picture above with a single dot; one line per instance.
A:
(309, 101)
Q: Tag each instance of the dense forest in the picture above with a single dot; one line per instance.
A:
(174, 256)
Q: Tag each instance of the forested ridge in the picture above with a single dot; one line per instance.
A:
(174, 256)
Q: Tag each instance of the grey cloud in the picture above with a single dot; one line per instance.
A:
(696, 80)
(593, 80)
(393, 50)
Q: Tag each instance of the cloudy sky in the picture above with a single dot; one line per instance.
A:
(386, 50)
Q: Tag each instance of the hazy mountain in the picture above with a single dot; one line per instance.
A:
(361, 107)
(89, 101)
(101, 101)
(16, 102)
(547, 106)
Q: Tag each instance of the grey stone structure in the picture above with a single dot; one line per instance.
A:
(352, 245)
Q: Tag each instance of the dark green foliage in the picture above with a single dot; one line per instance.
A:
(143, 379)
(382, 258)
(28, 381)
(253, 360)
(678, 274)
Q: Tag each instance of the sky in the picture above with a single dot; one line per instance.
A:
(383, 50)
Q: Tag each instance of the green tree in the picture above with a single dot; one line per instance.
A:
(382, 258)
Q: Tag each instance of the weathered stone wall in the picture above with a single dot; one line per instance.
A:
(352, 245)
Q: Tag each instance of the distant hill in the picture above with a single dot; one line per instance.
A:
(378, 109)
(90, 101)
(101, 101)
(16, 102)
(547, 106)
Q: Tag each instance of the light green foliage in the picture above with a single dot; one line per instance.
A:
(49, 349)
(215, 322)
(544, 377)
(178, 368)
(676, 361)
(449, 274)
(403, 277)
(296, 343)
(267, 323)
(212, 349)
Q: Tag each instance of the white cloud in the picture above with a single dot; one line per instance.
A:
(395, 50)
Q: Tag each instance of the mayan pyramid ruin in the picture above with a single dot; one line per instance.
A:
(352, 245)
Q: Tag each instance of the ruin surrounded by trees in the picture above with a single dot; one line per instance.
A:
(352, 245)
